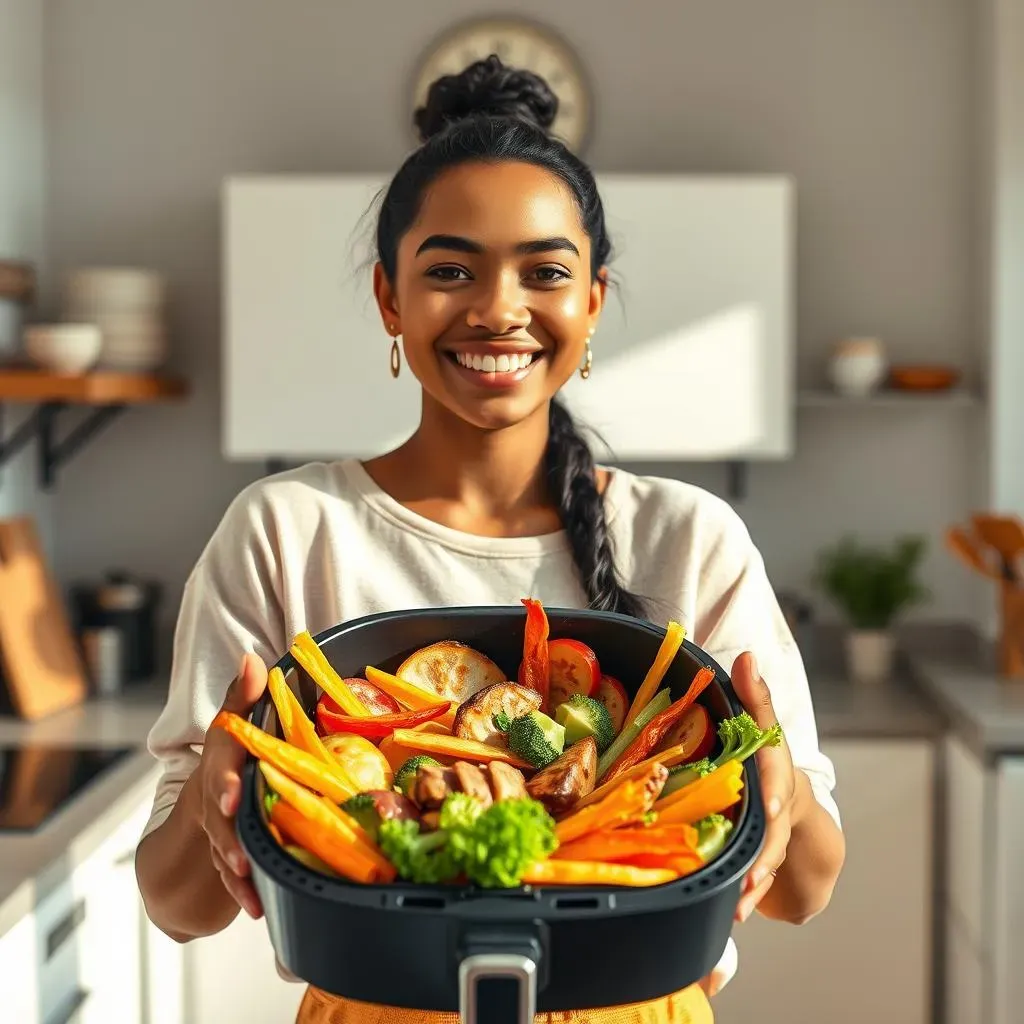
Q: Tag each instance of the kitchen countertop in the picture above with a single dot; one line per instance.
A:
(34, 864)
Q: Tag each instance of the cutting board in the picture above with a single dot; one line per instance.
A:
(42, 667)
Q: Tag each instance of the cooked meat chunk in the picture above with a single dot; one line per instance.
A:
(472, 782)
(433, 784)
(507, 783)
(564, 782)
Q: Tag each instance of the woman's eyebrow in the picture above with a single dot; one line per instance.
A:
(458, 243)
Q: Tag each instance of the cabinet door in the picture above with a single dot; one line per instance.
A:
(966, 832)
(868, 956)
(1008, 910)
(965, 977)
(19, 978)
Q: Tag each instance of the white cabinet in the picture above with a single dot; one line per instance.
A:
(869, 955)
(19, 978)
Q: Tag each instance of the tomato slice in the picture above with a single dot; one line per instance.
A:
(372, 697)
(574, 669)
(612, 694)
(694, 731)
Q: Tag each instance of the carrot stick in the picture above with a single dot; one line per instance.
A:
(452, 746)
(659, 726)
(711, 794)
(674, 636)
(575, 872)
(627, 802)
(669, 758)
(312, 836)
(681, 864)
(295, 724)
(328, 817)
(623, 843)
(305, 651)
(296, 763)
(410, 695)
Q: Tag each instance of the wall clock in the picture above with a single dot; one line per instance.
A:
(521, 44)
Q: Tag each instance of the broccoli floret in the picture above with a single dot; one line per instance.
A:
(740, 736)
(583, 716)
(712, 832)
(269, 799)
(492, 847)
(363, 808)
(501, 721)
(505, 840)
(406, 775)
(536, 738)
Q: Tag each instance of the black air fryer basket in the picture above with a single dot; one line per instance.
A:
(496, 956)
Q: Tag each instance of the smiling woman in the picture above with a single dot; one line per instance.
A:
(491, 266)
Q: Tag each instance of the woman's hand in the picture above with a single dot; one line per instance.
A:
(778, 786)
(221, 787)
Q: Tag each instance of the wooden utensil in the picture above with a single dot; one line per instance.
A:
(966, 549)
(1005, 535)
(42, 668)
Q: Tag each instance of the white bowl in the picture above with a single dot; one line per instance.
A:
(63, 348)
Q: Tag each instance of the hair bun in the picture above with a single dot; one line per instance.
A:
(489, 88)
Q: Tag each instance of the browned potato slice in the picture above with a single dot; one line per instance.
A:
(475, 718)
(450, 669)
(564, 782)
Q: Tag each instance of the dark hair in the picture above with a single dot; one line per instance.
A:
(489, 113)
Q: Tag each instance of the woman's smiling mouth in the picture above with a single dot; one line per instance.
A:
(490, 370)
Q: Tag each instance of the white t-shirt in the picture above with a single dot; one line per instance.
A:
(323, 544)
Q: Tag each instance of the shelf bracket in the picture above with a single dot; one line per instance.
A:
(54, 452)
(736, 480)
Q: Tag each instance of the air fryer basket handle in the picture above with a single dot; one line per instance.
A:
(474, 1005)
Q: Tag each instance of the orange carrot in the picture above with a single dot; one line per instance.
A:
(319, 841)
(629, 801)
(576, 872)
(659, 726)
(339, 827)
(295, 724)
(681, 863)
(452, 746)
(711, 794)
(296, 763)
(305, 651)
(624, 843)
(274, 830)
(674, 636)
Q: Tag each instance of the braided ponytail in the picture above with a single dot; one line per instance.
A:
(572, 481)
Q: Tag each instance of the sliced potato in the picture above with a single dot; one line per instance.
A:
(475, 718)
(450, 669)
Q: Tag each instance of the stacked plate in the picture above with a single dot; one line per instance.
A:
(127, 304)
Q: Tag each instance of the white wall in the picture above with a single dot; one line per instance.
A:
(22, 210)
(869, 104)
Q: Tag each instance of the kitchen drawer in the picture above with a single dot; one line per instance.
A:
(968, 827)
(19, 979)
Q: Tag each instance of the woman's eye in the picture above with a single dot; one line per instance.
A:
(448, 273)
(551, 275)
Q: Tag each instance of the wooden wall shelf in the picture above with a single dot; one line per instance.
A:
(105, 394)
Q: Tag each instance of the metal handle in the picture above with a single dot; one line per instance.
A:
(70, 1012)
(497, 966)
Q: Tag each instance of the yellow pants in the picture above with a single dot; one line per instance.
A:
(690, 1006)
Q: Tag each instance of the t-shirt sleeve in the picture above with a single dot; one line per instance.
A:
(739, 612)
(230, 606)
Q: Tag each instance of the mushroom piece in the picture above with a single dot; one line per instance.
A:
(568, 779)
(475, 719)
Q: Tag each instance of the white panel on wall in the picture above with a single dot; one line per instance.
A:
(693, 358)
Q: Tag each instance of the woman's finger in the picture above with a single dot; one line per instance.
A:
(222, 789)
(241, 891)
(748, 904)
(772, 854)
(752, 690)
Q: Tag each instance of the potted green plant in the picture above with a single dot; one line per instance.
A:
(872, 586)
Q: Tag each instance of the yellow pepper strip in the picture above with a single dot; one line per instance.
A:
(305, 651)
(295, 724)
(296, 763)
(408, 694)
(674, 636)
(710, 794)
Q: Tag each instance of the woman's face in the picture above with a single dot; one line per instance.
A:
(493, 293)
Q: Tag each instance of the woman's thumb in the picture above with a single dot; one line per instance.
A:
(248, 685)
(752, 691)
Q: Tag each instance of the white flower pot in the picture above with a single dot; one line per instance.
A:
(869, 655)
(858, 366)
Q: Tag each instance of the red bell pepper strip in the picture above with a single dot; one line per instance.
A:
(659, 726)
(536, 668)
(378, 725)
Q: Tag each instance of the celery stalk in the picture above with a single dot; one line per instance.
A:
(658, 703)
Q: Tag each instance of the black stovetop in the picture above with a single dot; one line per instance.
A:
(38, 779)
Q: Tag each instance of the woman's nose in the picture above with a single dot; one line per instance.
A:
(498, 305)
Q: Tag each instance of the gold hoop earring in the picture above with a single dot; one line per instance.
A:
(396, 357)
(588, 361)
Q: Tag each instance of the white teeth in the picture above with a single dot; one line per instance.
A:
(491, 364)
